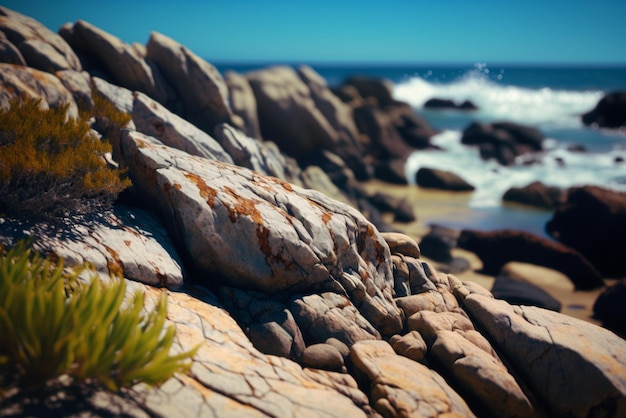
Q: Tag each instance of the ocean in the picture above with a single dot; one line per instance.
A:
(550, 98)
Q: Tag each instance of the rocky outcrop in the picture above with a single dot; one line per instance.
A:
(497, 248)
(17, 81)
(152, 119)
(230, 377)
(9, 53)
(610, 112)
(551, 351)
(503, 141)
(433, 178)
(288, 114)
(119, 61)
(292, 296)
(601, 239)
(349, 146)
(262, 233)
(38, 46)
(263, 157)
(535, 194)
(375, 90)
(197, 84)
(399, 386)
(79, 84)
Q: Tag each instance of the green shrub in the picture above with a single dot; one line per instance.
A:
(50, 164)
(52, 324)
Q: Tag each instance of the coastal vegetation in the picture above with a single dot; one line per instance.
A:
(52, 164)
(54, 324)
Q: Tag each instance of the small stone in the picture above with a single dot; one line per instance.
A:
(323, 356)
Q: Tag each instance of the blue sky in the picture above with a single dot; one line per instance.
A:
(396, 31)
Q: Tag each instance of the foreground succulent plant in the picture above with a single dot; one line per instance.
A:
(53, 324)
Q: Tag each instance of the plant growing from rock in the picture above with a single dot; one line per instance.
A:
(50, 164)
(53, 324)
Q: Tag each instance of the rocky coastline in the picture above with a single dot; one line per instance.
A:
(250, 208)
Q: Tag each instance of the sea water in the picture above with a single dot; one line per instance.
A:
(550, 98)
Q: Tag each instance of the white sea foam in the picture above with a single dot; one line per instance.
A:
(556, 167)
(539, 107)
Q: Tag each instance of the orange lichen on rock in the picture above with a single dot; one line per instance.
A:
(206, 192)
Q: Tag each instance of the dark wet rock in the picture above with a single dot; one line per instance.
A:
(503, 140)
(391, 171)
(468, 105)
(610, 112)
(401, 208)
(535, 194)
(438, 243)
(610, 307)
(593, 221)
(348, 94)
(433, 178)
(497, 248)
(519, 292)
(438, 103)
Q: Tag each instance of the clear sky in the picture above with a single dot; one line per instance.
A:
(372, 31)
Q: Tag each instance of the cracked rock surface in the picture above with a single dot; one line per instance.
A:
(576, 368)
(262, 233)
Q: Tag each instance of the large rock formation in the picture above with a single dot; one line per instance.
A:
(120, 61)
(288, 113)
(31, 43)
(198, 85)
(262, 233)
(291, 295)
(17, 81)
